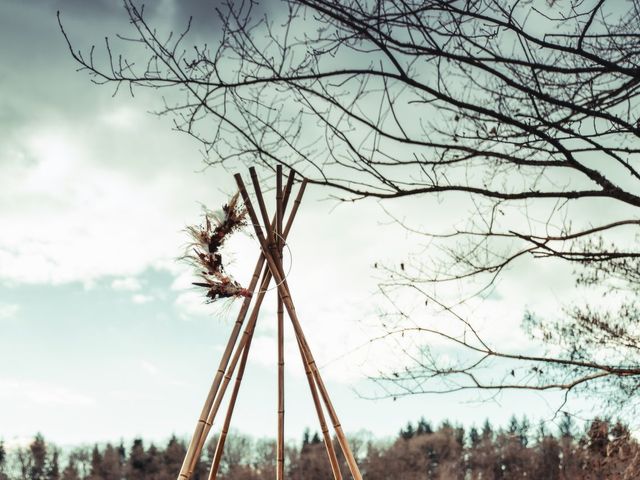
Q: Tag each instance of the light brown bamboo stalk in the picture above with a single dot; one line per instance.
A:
(262, 205)
(266, 278)
(331, 453)
(342, 439)
(185, 470)
(276, 270)
(294, 209)
(278, 238)
(197, 442)
(215, 465)
(280, 314)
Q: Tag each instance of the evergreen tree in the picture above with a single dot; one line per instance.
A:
(122, 454)
(3, 462)
(566, 426)
(424, 427)
(597, 448)
(484, 457)
(548, 454)
(71, 471)
(83, 461)
(474, 437)
(173, 455)
(523, 431)
(541, 431)
(514, 426)
(38, 451)
(487, 430)
(23, 462)
(459, 436)
(137, 462)
(96, 464)
(53, 467)
(598, 437)
(155, 461)
(408, 432)
(110, 464)
(570, 462)
(306, 440)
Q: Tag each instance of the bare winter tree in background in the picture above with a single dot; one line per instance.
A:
(525, 112)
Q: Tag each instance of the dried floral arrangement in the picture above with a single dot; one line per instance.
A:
(207, 242)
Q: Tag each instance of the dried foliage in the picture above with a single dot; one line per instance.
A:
(205, 253)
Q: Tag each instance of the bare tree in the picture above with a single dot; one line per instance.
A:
(525, 112)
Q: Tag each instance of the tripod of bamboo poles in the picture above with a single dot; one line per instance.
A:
(269, 266)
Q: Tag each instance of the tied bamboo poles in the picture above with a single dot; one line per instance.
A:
(199, 436)
(243, 347)
(213, 411)
(275, 266)
(235, 356)
(236, 388)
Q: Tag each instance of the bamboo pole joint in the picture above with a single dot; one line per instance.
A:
(272, 234)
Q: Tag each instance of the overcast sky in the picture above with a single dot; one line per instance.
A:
(101, 335)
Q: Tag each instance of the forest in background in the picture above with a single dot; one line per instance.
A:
(600, 450)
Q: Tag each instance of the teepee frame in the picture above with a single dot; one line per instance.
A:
(272, 237)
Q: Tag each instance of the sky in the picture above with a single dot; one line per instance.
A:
(102, 336)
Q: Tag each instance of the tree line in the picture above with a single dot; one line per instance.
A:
(601, 450)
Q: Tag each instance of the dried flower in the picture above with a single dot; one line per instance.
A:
(206, 256)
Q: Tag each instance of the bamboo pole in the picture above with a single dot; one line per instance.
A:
(276, 270)
(331, 452)
(248, 332)
(263, 207)
(342, 439)
(234, 395)
(185, 470)
(196, 442)
(279, 246)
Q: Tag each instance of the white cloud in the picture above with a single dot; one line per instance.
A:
(42, 393)
(121, 117)
(84, 210)
(8, 310)
(128, 284)
(191, 303)
(149, 367)
(141, 299)
(183, 280)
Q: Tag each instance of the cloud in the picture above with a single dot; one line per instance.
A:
(128, 284)
(42, 393)
(82, 8)
(97, 191)
(149, 367)
(141, 299)
(192, 304)
(77, 217)
(8, 311)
